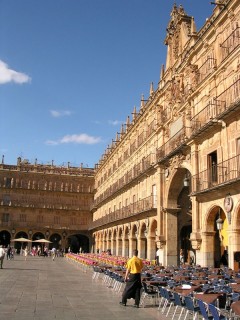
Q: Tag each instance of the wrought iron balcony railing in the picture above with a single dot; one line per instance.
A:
(133, 209)
(227, 101)
(206, 68)
(232, 42)
(173, 145)
(218, 175)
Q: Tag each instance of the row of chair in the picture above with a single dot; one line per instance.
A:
(183, 307)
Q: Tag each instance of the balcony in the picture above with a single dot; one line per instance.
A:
(222, 105)
(230, 43)
(206, 69)
(136, 208)
(224, 173)
(172, 146)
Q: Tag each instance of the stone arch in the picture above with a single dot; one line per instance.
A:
(178, 208)
(175, 186)
(214, 241)
(56, 240)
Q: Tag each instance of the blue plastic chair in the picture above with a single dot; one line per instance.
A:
(191, 308)
(203, 310)
(217, 313)
(178, 304)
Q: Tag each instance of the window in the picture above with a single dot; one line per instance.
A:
(154, 195)
(8, 183)
(39, 219)
(23, 217)
(212, 166)
(6, 200)
(5, 217)
(56, 220)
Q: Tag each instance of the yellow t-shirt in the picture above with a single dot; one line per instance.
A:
(134, 265)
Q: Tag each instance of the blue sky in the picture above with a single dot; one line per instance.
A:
(71, 72)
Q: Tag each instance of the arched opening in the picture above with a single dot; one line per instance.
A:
(5, 238)
(55, 241)
(19, 245)
(221, 240)
(143, 241)
(78, 243)
(179, 222)
(38, 236)
(187, 254)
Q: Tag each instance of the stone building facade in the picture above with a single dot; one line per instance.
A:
(170, 179)
(172, 174)
(46, 202)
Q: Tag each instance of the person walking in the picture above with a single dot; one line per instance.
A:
(53, 253)
(2, 255)
(133, 280)
(25, 253)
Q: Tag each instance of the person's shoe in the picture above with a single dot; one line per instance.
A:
(136, 305)
(122, 303)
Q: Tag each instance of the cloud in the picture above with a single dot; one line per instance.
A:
(9, 75)
(60, 113)
(115, 122)
(82, 138)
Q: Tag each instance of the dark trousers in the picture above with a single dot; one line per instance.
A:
(132, 288)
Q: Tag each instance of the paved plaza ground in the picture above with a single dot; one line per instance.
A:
(42, 289)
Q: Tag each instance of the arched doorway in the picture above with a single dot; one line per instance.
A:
(5, 238)
(55, 241)
(78, 243)
(179, 218)
(19, 245)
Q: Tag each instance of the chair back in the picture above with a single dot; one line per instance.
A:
(177, 299)
(203, 309)
(214, 312)
(189, 304)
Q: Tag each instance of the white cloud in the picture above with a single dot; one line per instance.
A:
(60, 113)
(82, 138)
(9, 75)
(114, 122)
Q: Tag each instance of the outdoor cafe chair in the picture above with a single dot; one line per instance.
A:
(191, 308)
(179, 303)
(204, 310)
(217, 313)
(147, 293)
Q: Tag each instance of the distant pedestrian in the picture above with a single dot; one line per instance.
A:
(25, 253)
(2, 255)
(53, 253)
(9, 253)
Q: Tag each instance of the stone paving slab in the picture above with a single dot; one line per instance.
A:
(43, 289)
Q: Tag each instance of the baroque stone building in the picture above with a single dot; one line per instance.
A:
(170, 179)
(46, 201)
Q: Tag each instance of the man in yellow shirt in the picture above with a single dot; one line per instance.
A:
(133, 280)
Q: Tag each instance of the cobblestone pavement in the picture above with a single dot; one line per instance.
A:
(42, 289)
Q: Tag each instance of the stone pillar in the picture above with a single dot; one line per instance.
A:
(207, 249)
(151, 249)
(141, 247)
(233, 246)
(171, 237)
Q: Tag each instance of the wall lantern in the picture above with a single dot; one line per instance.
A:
(219, 222)
(186, 180)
